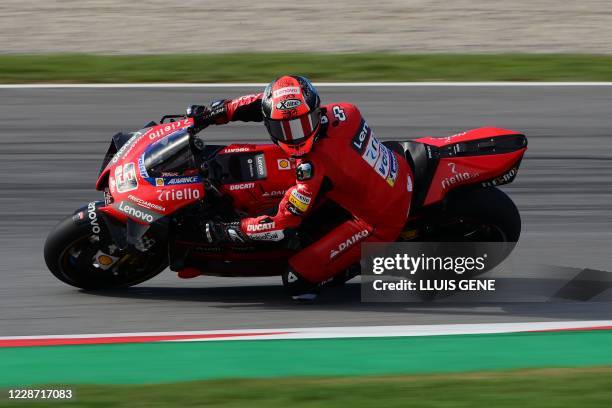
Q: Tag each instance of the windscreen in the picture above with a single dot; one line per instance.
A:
(170, 154)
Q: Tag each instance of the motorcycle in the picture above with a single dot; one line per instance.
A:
(162, 181)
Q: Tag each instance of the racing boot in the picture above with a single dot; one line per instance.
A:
(299, 288)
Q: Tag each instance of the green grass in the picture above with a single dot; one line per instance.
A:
(585, 387)
(262, 67)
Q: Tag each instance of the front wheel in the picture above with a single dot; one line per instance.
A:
(77, 256)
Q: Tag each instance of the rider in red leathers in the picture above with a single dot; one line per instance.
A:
(338, 159)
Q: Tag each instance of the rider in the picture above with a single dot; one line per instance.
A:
(338, 158)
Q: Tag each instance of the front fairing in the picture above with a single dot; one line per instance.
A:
(136, 178)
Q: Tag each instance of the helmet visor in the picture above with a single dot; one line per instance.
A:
(294, 131)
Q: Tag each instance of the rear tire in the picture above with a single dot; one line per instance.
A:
(488, 206)
(484, 215)
(69, 250)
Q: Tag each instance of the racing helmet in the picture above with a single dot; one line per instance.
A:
(292, 113)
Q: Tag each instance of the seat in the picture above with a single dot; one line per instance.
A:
(395, 146)
(416, 154)
(423, 167)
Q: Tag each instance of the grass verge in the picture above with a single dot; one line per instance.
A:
(262, 67)
(584, 387)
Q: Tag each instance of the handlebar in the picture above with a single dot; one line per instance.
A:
(171, 117)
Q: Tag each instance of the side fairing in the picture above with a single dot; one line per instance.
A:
(255, 176)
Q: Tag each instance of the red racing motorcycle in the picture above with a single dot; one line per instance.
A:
(162, 182)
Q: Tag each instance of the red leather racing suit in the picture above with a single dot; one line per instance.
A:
(358, 173)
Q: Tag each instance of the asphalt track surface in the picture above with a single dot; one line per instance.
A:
(52, 142)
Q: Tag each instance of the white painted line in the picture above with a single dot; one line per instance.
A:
(318, 84)
(353, 332)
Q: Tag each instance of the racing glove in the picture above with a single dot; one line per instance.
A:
(224, 232)
(204, 116)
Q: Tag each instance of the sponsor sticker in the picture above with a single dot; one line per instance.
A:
(182, 180)
(372, 151)
(170, 194)
(299, 200)
(236, 149)
(146, 204)
(288, 90)
(159, 182)
(141, 167)
(343, 246)
(283, 164)
(377, 155)
(360, 139)
(125, 177)
(134, 211)
(393, 169)
(457, 177)
(251, 168)
(169, 128)
(267, 236)
(241, 186)
(275, 193)
(383, 164)
(503, 179)
(304, 171)
(92, 215)
(108, 197)
(288, 104)
(260, 162)
(260, 227)
(78, 216)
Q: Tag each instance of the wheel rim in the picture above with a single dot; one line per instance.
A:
(486, 233)
(77, 265)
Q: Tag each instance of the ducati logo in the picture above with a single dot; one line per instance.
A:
(260, 227)
(291, 277)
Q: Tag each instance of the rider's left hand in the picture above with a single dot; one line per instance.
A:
(200, 115)
(222, 232)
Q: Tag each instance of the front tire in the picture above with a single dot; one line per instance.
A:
(69, 254)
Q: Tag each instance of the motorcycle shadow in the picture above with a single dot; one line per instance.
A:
(568, 304)
(240, 296)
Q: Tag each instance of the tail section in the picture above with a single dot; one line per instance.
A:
(483, 156)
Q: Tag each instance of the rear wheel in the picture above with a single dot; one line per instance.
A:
(482, 215)
(77, 257)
